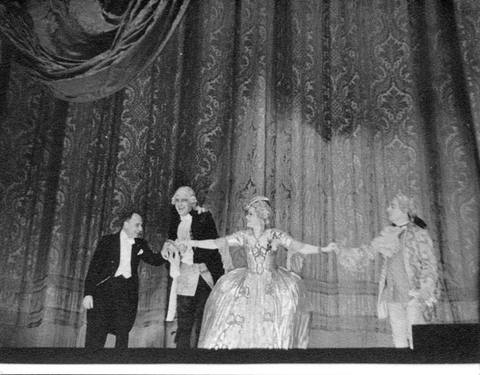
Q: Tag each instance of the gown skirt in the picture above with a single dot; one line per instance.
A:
(251, 309)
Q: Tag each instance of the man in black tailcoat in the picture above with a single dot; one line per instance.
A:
(194, 271)
(111, 286)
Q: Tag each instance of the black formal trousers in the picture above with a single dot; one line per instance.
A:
(190, 313)
(114, 311)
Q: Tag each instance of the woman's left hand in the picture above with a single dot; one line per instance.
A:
(332, 246)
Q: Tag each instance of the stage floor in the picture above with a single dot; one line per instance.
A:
(249, 356)
(433, 344)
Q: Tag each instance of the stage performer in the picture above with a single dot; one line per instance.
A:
(111, 285)
(194, 270)
(263, 305)
(408, 280)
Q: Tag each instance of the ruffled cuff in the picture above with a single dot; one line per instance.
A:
(173, 257)
(388, 242)
(354, 259)
(174, 267)
(187, 256)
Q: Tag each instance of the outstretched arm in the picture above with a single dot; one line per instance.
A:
(204, 244)
(220, 243)
(303, 248)
(146, 254)
(310, 249)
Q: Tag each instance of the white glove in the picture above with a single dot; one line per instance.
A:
(87, 302)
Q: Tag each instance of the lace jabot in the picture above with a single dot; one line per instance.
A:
(388, 242)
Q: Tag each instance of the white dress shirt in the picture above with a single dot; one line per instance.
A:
(125, 267)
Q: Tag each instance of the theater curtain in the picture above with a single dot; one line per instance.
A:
(327, 107)
(85, 50)
(337, 107)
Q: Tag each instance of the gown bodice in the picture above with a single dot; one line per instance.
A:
(261, 252)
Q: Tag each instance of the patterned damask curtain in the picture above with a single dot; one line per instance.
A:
(328, 107)
(68, 171)
(337, 106)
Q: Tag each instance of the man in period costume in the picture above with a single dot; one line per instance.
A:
(194, 270)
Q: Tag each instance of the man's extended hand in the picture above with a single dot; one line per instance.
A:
(184, 244)
(170, 250)
(87, 302)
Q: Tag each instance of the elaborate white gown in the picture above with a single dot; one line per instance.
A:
(261, 306)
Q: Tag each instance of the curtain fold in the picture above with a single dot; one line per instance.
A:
(467, 14)
(81, 49)
(327, 107)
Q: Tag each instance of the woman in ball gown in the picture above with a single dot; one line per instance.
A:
(262, 305)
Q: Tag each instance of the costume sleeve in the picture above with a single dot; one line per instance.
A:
(282, 238)
(209, 226)
(356, 259)
(146, 254)
(205, 229)
(427, 267)
(285, 240)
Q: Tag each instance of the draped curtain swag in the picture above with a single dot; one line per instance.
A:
(85, 49)
(327, 107)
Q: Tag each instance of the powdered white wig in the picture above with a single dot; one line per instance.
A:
(407, 205)
(187, 190)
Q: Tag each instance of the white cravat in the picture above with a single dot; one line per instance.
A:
(126, 243)
(183, 234)
(185, 281)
